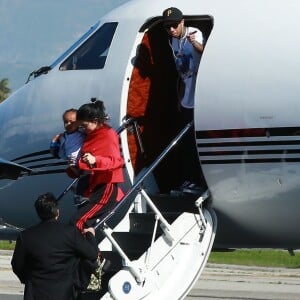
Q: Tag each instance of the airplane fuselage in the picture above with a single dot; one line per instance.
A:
(246, 113)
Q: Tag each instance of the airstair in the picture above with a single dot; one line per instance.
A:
(165, 248)
(161, 262)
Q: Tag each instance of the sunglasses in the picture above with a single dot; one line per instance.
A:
(173, 25)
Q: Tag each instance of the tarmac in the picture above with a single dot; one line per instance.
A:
(217, 282)
(10, 287)
(245, 283)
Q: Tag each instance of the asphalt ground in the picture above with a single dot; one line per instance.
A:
(218, 282)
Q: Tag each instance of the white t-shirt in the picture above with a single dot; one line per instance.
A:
(187, 60)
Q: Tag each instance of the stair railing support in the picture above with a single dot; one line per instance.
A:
(136, 272)
(165, 226)
(148, 255)
(199, 203)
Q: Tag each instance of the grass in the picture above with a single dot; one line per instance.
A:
(246, 257)
(257, 257)
(7, 245)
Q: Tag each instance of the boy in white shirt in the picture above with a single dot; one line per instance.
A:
(187, 46)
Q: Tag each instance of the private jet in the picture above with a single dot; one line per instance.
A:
(246, 134)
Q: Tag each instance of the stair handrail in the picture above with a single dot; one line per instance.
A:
(137, 184)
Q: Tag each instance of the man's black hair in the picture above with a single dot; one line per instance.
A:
(46, 206)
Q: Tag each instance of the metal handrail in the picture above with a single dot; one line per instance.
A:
(139, 181)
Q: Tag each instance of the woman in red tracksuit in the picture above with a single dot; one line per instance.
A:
(101, 158)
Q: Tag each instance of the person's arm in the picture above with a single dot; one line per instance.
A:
(18, 260)
(111, 158)
(196, 40)
(109, 162)
(54, 146)
(86, 244)
(197, 46)
(88, 254)
(90, 236)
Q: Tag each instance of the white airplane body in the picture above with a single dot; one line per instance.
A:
(246, 112)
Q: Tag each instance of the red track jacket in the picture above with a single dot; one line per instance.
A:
(103, 143)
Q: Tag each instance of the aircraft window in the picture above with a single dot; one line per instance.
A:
(75, 45)
(92, 53)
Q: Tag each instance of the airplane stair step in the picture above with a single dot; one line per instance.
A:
(175, 203)
(139, 237)
(144, 222)
(147, 261)
(132, 243)
(135, 242)
(157, 272)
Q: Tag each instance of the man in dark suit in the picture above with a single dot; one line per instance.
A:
(47, 256)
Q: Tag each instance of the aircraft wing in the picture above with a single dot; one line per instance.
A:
(10, 170)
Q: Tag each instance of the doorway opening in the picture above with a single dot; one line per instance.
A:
(153, 101)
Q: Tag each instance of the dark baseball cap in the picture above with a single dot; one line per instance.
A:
(171, 15)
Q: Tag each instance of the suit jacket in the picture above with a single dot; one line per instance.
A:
(46, 259)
